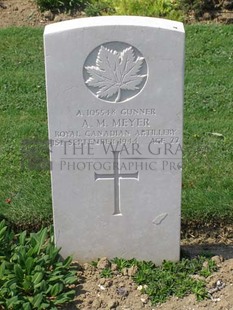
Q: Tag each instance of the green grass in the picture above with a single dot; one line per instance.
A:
(208, 172)
(22, 116)
(170, 279)
(208, 175)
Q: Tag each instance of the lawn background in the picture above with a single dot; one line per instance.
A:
(207, 196)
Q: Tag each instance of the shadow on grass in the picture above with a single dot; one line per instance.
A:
(208, 250)
(33, 226)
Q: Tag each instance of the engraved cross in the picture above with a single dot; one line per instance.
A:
(116, 176)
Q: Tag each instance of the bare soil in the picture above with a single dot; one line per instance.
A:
(26, 13)
(120, 292)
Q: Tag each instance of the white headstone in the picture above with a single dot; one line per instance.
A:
(115, 102)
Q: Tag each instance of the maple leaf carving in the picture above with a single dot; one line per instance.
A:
(115, 71)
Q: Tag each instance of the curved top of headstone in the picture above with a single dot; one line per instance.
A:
(114, 20)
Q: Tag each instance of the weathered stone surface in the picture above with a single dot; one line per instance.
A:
(115, 103)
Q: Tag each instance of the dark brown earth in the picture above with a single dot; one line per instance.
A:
(120, 292)
(26, 13)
